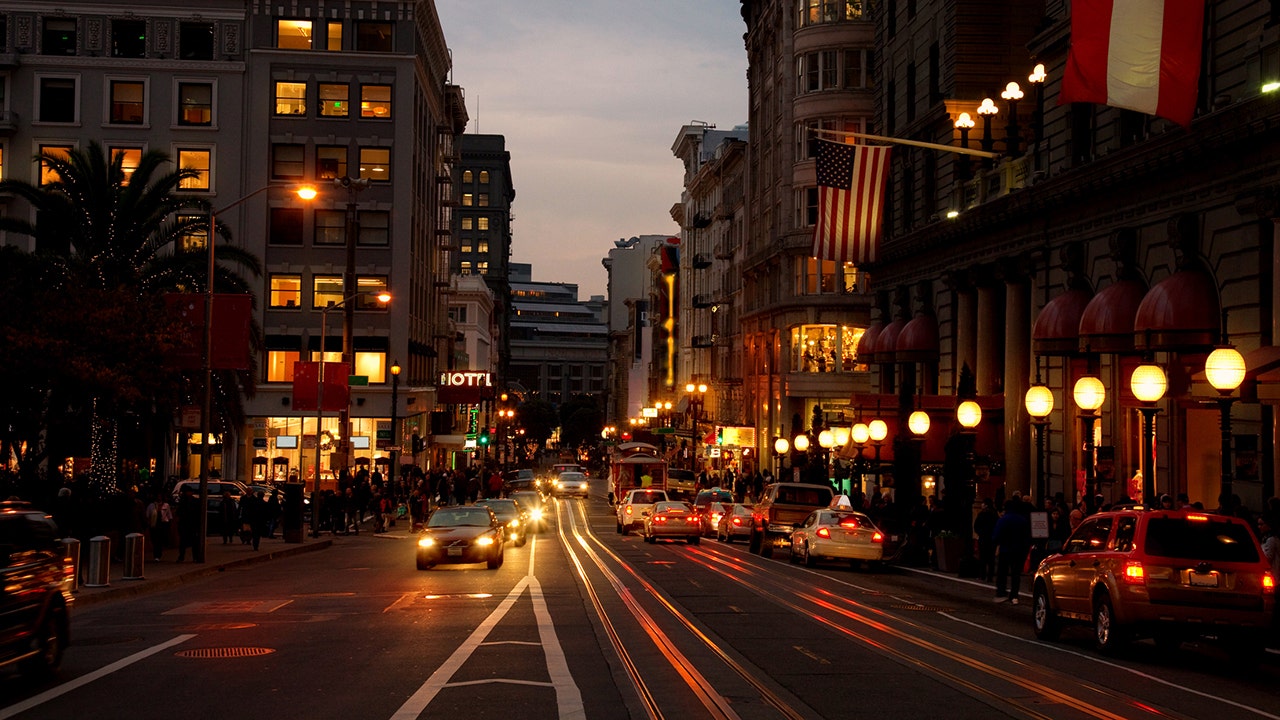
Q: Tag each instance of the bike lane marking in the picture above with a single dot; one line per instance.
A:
(50, 694)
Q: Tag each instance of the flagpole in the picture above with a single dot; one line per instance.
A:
(914, 143)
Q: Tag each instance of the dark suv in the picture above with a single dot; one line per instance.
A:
(1166, 574)
(34, 572)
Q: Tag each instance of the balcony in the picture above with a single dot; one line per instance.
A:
(700, 221)
(701, 261)
(8, 122)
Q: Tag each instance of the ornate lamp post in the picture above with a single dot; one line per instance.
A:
(877, 431)
(918, 423)
(1012, 94)
(860, 434)
(1148, 384)
(395, 437)
(1089, 395)
(968, 414)
(1039, 403)
(986, 111)
(801, 445)
(780, 449)
(964, 123)
(1225, 370)
(696, 395)
(826, 440)
(1037, 78)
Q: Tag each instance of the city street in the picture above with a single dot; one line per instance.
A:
(583, 622)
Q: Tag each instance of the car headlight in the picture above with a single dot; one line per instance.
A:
(426, 542)
(486, 540)
(536, 514)
(514, 523)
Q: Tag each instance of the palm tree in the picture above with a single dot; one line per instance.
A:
(124, 243)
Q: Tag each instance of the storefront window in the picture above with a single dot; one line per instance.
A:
(849, 339)
(813, 348)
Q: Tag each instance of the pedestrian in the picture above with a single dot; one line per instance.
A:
(253, 514)
(1012, 536)
(159, 520)
(229, 517)
(273, 512)
(984, 526)
(188, 522)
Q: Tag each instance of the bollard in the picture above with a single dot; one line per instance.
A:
(97, 571)
(72, 554)
(134, 546)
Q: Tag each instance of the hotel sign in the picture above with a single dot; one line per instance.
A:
(464, 387)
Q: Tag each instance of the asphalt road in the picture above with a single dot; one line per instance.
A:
(582, 622)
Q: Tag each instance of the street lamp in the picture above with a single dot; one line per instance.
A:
(395, 437)
(305, 192)
(1039, 403)
(780, 448)
(696, 393)
(1012, 94)
(986, 110)
(1089, 395)
(383, 298)
(918, 423)
(1225, 370)
(964, 123)
(1037, 78)
(877, 431)
(353, 186)
(1148, 384)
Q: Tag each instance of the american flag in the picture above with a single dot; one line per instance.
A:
(851, 186)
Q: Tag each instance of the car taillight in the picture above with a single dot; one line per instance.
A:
(737, 521)
(849, 524)
(660, 519)
(824, 533)
(693, 519)
(877, 538)
(1134, 574)
(1268, 584)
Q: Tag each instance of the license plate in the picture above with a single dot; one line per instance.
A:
(454, 552)
(1203, 579)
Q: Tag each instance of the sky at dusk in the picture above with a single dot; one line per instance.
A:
(591, 95)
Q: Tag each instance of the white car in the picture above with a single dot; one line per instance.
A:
(837, 534)
(570, 483)
(633, 507)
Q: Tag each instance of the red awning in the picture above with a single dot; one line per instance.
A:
(1057, 327)
(1107, 322)
(1180, 313)
(887, 343)
(867, 343)
(918, 341)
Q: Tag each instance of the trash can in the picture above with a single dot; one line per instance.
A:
(97, 571)
(135, 545)
(291, 513)
(71, 551)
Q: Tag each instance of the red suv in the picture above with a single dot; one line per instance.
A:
(1166, 574)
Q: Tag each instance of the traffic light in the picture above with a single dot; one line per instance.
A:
(418, 444)
(484, 438)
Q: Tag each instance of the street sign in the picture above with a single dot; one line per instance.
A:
(664, 431)
(354, 380)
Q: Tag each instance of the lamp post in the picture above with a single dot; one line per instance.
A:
(877, 431)
(1012, 94)
(842, 434)
(353, 186)
(395, 437)
(696, 393)
(305, 192)
(1089, 395)
(383, 298)
(986, 110)
(780, 448)
(964, 123)
(826, 441)
(1039, 403)
(968, 414)
(1037, 78)
(1148, 384)
(860, 434)
(918, 423)
(1225, 370)
(801, 445)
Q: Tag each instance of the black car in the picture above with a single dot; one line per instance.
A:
(34, 607)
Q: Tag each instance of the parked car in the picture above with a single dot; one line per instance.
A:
(535, 505)
(1166, 574)
(633, 507)
(735, 522)
(461, 534)
(570, 483)
(833, 534)
(35, 603)
(707, 505)
(674, 520)
(512, 516)
(215, 488)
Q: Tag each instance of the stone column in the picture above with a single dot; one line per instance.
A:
(966, 327)
(1017, 371)
(989, 372)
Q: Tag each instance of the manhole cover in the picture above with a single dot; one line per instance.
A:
(223, 653)
(921, 608)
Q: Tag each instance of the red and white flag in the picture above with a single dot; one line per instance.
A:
(1139, 55)
(851, 185)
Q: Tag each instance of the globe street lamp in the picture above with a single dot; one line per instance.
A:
(918, 423)
(696, 395)
(1225, 370)
(1148, 384)
(1037, 78)
(1089, 395)
(1039, 403)
(964, 123)
(1012, 94)
(986, 111)
(860, 434)
(395, 437)
(877, 431)
(968, 414)
(780, 448)
(826, 440)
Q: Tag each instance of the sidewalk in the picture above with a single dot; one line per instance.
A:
(169, 573)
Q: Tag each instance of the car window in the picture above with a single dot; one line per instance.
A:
(1091, 536)
(642, 497)
(804, 496)
(1204, 538)
(459, 517)
(1126, 526)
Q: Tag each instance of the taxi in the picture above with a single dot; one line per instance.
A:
(837, 532)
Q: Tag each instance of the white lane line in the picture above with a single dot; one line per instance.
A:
(50, 694)
(404, 599)
(508, 681)
(568, 697)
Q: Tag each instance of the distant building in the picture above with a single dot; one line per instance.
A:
(559, 345)
(630, 285)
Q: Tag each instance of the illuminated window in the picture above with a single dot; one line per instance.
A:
(464, 267)
(129, 157)
(468, 199)
(482, 267)
(291, 98)
(369, 287)
(286, 226)
(280, 365)
(195, 103)
(466, 223)
(467, 176)
(199, 162)
(331, 227)
(127, 98)
(375, 164)
(375, 101)
(815, 277)
(375, 228)
(2, 172)
(288, 162)
(61, 152)
(465, 247)
(482, 246)
(286, 291)
(372, 365)
(482, 223)
(484, 200)
(850, 275)
(293, 34)
(484, 177)
(196, 233)
(326, 289)
(334, 100)
(814, 348)
(333, 36)
(331, 162)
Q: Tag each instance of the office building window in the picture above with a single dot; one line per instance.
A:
(482, 267)
(465, 247)
(482, 246)
(195, 41)
(129, 38)
(483, 200)
(375, 228)
(195, 232)
(466, 223)
(288, 162)
(369, 287)
(195, 103)
(375, 164)
(326, 289)
(331, 227)
(331, 162)
(199, 162)
(468, 199)
(127, 102)
(59, 100)
(286, 226)
(333, 36)
(334, 100)
(286, 291)
(375, 101)
(58, 36)
(61, 152)
(293, 34)
(280, 365)
(291, 98)
(129, 157)
(373, 37)
(484, 177)
(482, 223)
(467, 176)
(464, 267)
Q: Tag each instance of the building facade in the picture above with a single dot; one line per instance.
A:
(559, 344)
(629, 286)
